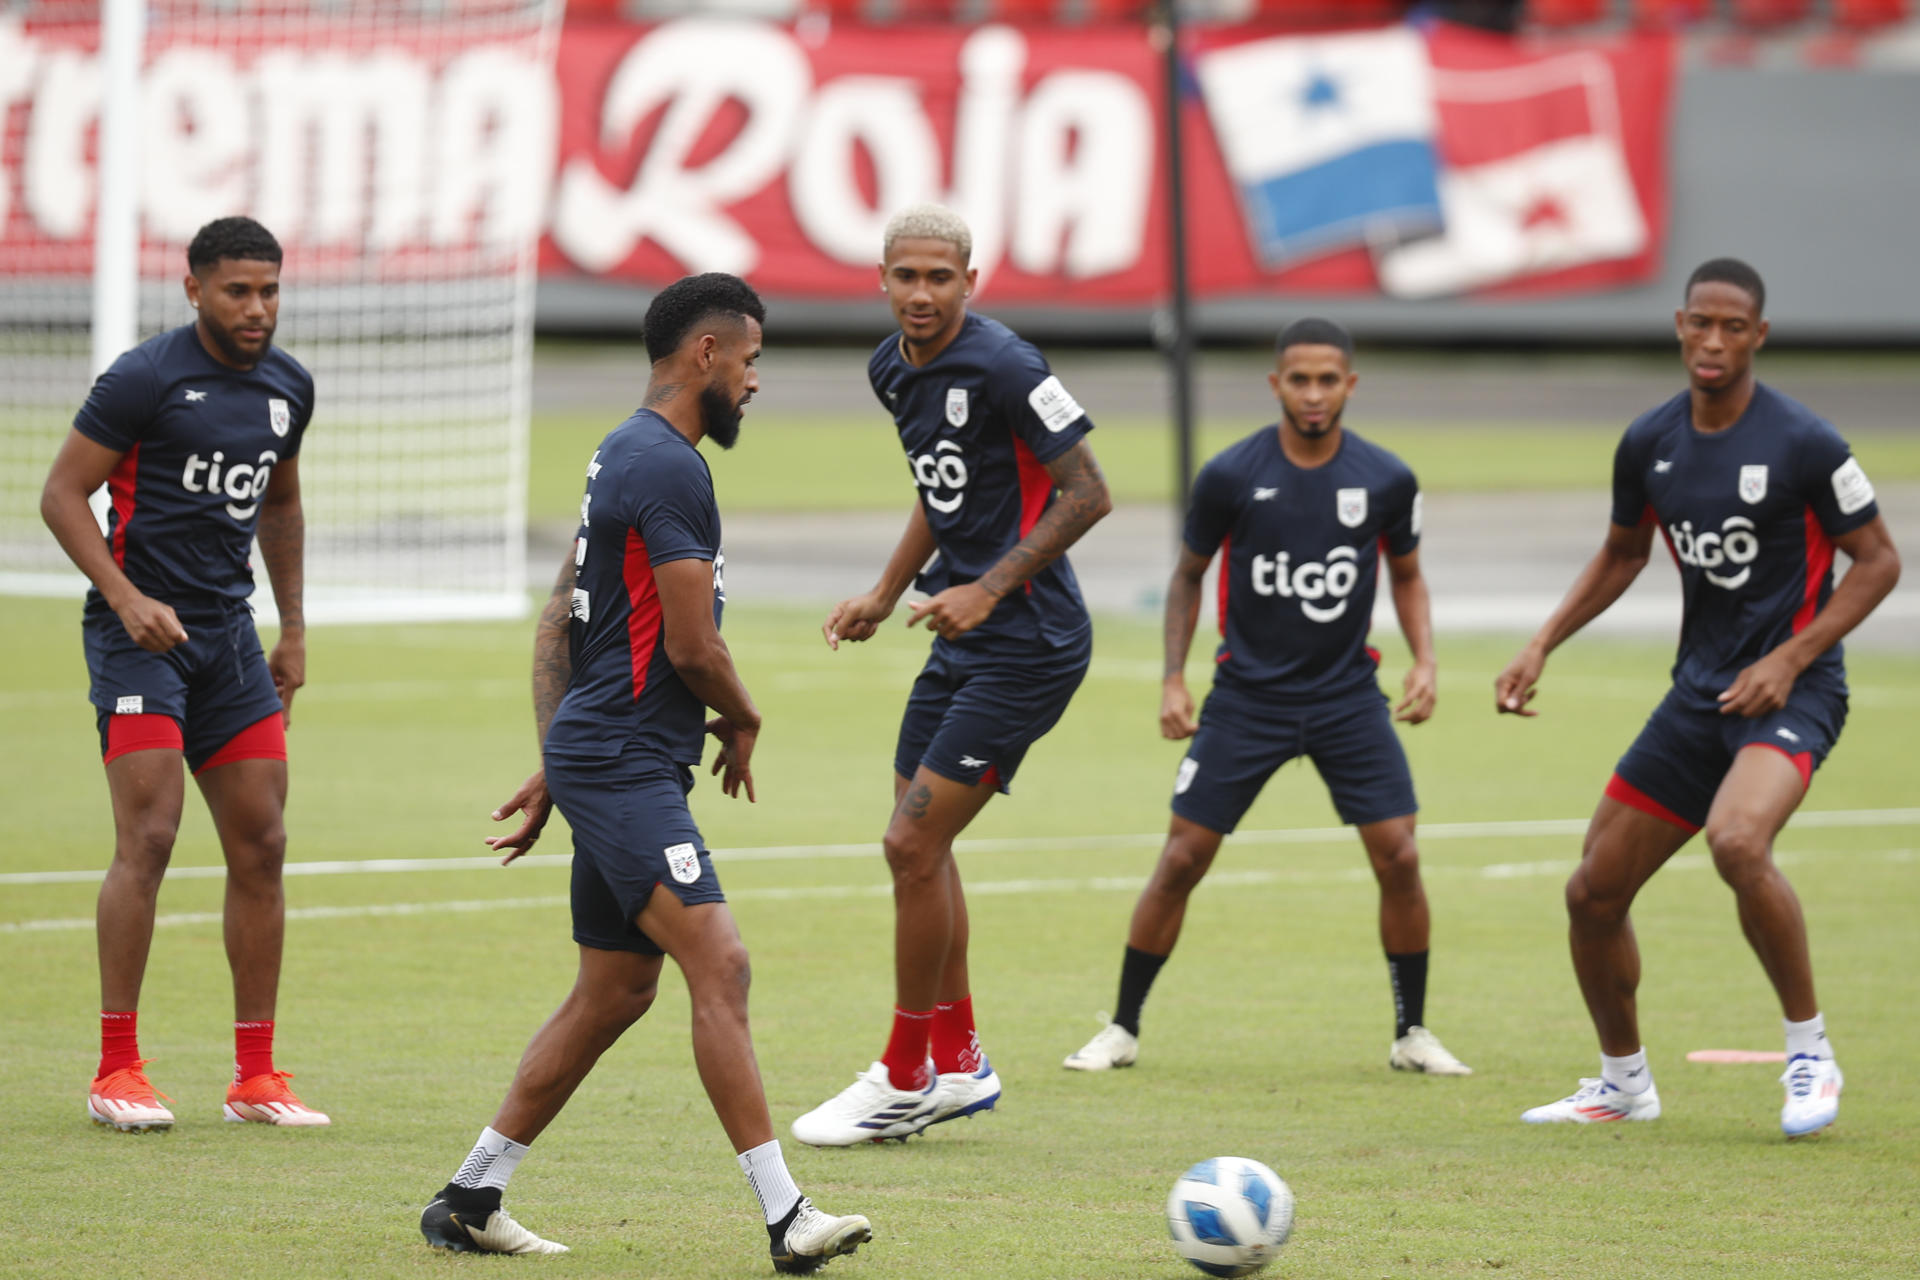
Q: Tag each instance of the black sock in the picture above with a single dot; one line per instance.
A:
(1137, 973)
(470, 1199)
(777, 1231)
(1408, 973)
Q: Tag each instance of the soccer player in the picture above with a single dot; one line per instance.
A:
(1007, 482)
(627, 658)
(1302, 512)
(1752, 493)
(196, 434)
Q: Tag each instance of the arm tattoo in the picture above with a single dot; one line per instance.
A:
(914, 804)
(657, 396)
(1183, 614)
(1082, 500)
(553, 652)
(283, 535)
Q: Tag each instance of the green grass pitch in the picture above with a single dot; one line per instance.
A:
(408, 996)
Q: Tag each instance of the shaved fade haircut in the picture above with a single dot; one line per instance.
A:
(928, 222)
(1315, 332)
(1734, 272)
(677, 310)
(223, 238)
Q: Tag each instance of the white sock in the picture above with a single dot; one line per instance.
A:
(1807, 1039)
(491, 1162)
(1629, 1074)
(766, 1171)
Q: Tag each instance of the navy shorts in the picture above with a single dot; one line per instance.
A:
(1683, 754)
(1241, 742)
(632, 830)
(971, 716)
(214, 686)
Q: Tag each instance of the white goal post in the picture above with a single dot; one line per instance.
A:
(400, 150)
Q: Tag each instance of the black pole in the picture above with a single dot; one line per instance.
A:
(1177, 321)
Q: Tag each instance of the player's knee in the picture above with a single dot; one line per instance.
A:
(1742, 849)
(259, 857)
(1591, 903)
(634, 1003)
(913, 857)
(1396, 864)
(1182, 866)
(144, 846)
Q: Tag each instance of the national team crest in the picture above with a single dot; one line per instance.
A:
(957, 406)
(279, 417)
(683, 861)
(1753, 482)
(1351, 506)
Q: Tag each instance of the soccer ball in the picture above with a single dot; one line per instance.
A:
(1229, 1216)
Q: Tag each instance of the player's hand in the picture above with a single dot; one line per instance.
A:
(1422, 687)
(288, 663)
(855, 619)
(735, 756)
(152, 625)
(955, 611)
(1514, 688)
(1176, 709)
(533, 803)
(1762, 688)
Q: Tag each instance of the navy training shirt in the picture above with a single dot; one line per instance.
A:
(1300, 559)
(1750, 514)
(980, 422)
(649, 501)
(199, 441)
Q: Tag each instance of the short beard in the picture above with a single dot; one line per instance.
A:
(719, 417)
(1300, 427)
(231, 350)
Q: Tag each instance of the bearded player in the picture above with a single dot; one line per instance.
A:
(1752, 493)
(1007, 482)
(1302, 514)
(196, 434)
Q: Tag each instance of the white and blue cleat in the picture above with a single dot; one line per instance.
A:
(965, 1093)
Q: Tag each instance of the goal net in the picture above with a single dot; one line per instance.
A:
(400, 152)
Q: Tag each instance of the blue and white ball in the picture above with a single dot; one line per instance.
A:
(1229, 1215)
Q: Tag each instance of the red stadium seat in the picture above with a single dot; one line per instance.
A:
(1324, 13)
(1770, 13)
(1869, 13)
(1567, 13)
(1669, 13)
(1026, 11)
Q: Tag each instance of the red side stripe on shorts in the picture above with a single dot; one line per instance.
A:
(1226, 577)
(127, 734)
(1802, 760)
(264, 739)
(1618, 788)
(120, 487)
(1819, 564)
(643, 602)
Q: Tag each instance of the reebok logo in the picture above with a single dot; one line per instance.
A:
(1265, 495)
(194, 397)
(1788, 734)
(1662, 465)
(972, 762)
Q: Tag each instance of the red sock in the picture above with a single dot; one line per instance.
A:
(252, 1050)
(906, 1055)
(956, 1047)
(119, 1042)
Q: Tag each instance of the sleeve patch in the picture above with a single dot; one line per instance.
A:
(1054, 405)
(1851, 488)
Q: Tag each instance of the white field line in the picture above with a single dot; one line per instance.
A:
(987, 888)
(1811, 820)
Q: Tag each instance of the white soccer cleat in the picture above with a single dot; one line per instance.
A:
(266, 1099)
(965, 1093)
(1597, 1102)
(446, 1227)
(127, 1100)
(813, 1237)
(1114, 1046)
(1813, 1095)
(1421, 1050)
(869, 1110)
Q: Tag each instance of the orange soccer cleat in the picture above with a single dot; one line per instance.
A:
(266, 1099)
(126, 1100)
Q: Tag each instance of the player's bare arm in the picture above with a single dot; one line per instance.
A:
(1177, 628)
(1605, 579)
(283, 538)
(1414, 608)
(81, 467)
(1083, 501)
(858, 617)
(552, 672)
(705, 666)
(1765, 686)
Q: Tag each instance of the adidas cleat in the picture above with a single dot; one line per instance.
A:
(869, 1110)
(266, 1099)
(1597, 1102)
(1421, 1050)
(965, 1093)
(126, 1100)
(812, 1237)
(1114, 1046)
(451, 1224)
(1813, 1095)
